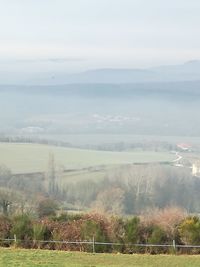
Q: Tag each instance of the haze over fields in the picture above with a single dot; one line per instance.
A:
(167, 108)
(134, 70)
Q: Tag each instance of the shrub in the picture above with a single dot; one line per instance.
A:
(116, 233)
(67, 217)
(158, 236)
(168, 219)
(132, 233)
(189, 231)
(5, 226)
(22, 228)
(39, 233)
(47, 207)
(91, 229)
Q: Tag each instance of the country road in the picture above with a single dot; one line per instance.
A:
(179, 157)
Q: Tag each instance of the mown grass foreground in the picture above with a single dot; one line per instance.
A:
(42, 258)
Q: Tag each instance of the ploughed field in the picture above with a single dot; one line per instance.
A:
(30, 158)
(45, 258)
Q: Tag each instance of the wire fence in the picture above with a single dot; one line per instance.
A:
(93, 243)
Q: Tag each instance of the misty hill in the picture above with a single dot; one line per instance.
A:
(190, 71)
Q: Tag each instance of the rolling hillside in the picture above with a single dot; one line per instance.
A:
(27, 158)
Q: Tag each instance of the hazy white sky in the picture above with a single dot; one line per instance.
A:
(75, 35)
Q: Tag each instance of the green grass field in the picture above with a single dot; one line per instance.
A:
(42, 258)
(22, 158)
(77, 176)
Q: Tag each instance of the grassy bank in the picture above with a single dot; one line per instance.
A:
(42, 258)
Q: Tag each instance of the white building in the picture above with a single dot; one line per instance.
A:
(196, 168)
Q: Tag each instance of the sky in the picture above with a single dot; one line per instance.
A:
(76, 35)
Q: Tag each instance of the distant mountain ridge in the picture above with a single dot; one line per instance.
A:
(189, 71)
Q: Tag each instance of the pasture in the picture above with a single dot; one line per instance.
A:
(42, 258)
(29, 158)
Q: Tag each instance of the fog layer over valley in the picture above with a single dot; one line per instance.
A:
(136, 109)
(152, 129)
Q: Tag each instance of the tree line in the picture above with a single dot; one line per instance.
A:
(124, 190)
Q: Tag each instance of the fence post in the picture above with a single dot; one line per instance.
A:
(174, 245)
(93, 244)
